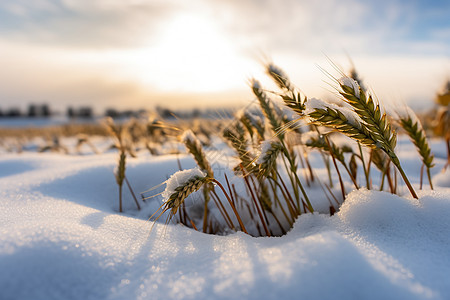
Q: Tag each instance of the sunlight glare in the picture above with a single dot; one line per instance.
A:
(190, 55)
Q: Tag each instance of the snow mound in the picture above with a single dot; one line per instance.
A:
(61, 238)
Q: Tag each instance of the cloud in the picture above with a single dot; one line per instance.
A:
(330, 26)
(103, 50)
(277, 26)
(81, 23)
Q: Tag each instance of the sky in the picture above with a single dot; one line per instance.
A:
(132, 54)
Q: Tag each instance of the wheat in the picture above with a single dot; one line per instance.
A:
(235, 135)
(321, 113)
(267, 107)
(290, 96)
(279, 77)
(370, 113)
(252, 123)
(181, 192)
(120, 175)
(337, 152)
(195, 148)
(268, 157)
(369, 127)
(411, 124)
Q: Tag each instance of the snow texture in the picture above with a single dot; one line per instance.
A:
(61, 237)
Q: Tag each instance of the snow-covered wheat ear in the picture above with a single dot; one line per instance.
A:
(410, 123)
(334, 118)
(183, 191)
(375, 122)
(370, 113)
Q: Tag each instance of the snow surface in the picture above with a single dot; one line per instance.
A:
(61, 237)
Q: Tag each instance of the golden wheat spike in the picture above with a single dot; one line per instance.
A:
(411, 124)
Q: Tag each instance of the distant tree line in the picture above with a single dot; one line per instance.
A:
(86, 112)
(33, 111)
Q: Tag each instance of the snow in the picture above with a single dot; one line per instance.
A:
(189, 136)
(61, 237)
(350, 82)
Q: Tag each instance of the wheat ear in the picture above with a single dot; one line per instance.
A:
(181, 192)
(120, 175)
(370, 113)
(194, 146)
(375, 121)
(236, 137)
(268, 158)
(413, 128)
(266, 107)
(291, 97)
(279, 77)
(335, 119)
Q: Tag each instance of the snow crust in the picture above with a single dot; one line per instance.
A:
(61, 237)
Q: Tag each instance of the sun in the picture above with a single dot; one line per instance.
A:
(190, 54)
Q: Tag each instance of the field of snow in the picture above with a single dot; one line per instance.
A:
(61, 237)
